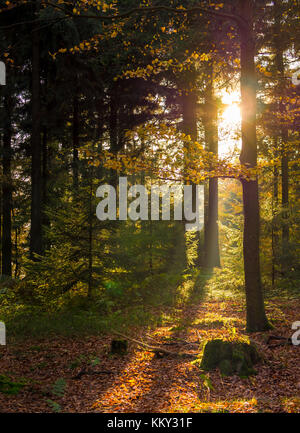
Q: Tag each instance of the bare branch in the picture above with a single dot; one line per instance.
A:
(140, 10)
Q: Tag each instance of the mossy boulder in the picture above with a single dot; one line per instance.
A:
(230, 357)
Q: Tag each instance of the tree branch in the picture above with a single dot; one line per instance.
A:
(140, 10)
(157, 350)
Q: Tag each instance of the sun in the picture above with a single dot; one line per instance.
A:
(230, 123)
(232, 114)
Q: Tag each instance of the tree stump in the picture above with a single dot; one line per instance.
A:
(119, 347)
(230, 357)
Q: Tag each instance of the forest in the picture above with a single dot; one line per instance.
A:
(149, 167)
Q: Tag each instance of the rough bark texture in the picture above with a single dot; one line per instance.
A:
(36, 244)
(256, 318)
(7, 190)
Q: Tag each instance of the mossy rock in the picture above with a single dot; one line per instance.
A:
(230, 357)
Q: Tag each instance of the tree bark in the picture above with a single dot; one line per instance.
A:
(256, 317)
(211, 230)
(113, 133)
(275, 238)
(189, 127)
(36, 243)
(75, 143)
(7, 189)
(284, 135)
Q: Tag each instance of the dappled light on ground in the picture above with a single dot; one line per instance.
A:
(142, 381)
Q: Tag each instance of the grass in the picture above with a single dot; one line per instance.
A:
(155, 303)
(80, 316)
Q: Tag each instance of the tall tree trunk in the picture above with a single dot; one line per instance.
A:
(285, 201)
(275, 239)
(75, 142)
(211, 230)
(279, 48)
(36, 243)
(45, 186)
(7, 189)
(113, 133)
(16, 248)
(189, 127)
(90, 235)
(256, 317)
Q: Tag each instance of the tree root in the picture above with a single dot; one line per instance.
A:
(286, 341)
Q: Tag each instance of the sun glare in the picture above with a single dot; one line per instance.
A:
(232, 114)
(230, 123)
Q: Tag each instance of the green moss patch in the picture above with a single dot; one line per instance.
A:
(7, 386)
(230, 357)
(216, 322)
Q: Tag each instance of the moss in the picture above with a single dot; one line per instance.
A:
(226, 367)
(7, 386)
(230, 357)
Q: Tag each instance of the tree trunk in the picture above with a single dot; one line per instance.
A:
(285, 202)
(113, 133)
(75, 142)
(189, 127)
(45, 187)
(36, 244)
(275, 240)
(279, 61)
(211, 230)
(256, 317)
(90, 235)
(7, 190)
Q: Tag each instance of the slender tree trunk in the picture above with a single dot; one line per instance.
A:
(189, 127)
(279, 61)
(7, 190)
(16, 248)
(36, 243)
(256, 317)
(285, 202)
(211, 230)
(45, 186)
(100, 130)
(90, 235)
(1, 225)
(75, 142)
(113, 133)
(275, 240)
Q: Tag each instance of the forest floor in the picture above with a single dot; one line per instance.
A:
(140, 381)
